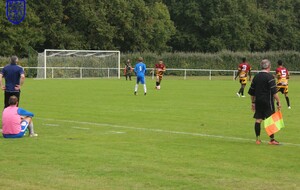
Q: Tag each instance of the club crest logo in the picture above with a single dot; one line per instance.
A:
(15, 11)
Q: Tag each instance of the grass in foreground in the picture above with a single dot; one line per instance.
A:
(192, 134)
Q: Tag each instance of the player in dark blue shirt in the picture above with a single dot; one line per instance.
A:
(140, 71)
(14, 79)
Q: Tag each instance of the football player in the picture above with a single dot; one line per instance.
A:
(160, 68)
(282, 75)
(244, 69)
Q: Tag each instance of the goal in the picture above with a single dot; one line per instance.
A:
(55, 63)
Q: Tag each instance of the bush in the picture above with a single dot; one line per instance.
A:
(226, 60)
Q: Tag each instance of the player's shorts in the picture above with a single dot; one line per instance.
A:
(140, 79)
(159, 75)
(243, 80)
(127, 72)
(260, 114)
(283, 89)
(263, 110)
(24, 125)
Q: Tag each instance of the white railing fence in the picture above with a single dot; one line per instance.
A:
(210, 73)
(85, 72)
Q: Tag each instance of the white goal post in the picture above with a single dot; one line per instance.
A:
(56, 63)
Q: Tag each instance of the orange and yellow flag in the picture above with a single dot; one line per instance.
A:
(274, 123)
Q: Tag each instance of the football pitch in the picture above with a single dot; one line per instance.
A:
(193, 134)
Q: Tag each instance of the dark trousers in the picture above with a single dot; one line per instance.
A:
(8, 95)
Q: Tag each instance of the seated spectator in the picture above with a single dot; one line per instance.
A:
(15, 120)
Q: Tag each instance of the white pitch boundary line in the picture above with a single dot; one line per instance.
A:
(114, 132)
(82, 128)
(50, 124)
(159, 130)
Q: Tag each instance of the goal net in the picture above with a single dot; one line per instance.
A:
(54, 63)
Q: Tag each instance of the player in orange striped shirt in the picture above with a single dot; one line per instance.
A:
(160, 68)
(244, 70)
(282, 75)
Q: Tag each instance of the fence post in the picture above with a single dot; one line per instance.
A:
(153, 74)
(233, 75)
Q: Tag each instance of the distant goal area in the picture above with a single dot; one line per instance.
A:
(54, 63)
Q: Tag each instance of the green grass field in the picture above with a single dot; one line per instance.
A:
(192, 134)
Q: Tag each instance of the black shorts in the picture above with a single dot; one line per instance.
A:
(263, 111)
(283, 89)
(262, 114)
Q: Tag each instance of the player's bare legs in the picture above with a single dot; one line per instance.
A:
(287, 100)
(241, 91)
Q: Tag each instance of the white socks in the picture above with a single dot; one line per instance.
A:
(137, 87)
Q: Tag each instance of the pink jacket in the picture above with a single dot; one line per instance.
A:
(11, 120)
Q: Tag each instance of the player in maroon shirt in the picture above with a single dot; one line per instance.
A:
(160, 68)
(244, 69)
(282, 75)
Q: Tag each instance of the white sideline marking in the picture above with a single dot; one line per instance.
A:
(115, 132)
(49, 124)
(81, 128)
(160, 130)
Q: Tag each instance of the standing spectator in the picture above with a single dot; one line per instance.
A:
(140, 71)
(160, 68)
(15, 121)
(263, 92)
(128, 69)
(14, 79)
(244, 69)
(282, 75)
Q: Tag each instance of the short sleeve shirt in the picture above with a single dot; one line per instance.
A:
(263, 87)
(140, 69)
(12, 74)
(282, 75)
(244, 68)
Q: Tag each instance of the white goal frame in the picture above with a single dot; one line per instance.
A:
(74, 52)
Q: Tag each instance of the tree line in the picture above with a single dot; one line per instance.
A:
(154, 26)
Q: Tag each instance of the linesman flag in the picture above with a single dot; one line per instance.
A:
(274, 123)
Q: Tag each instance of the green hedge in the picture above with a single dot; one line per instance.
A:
(226, 60)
